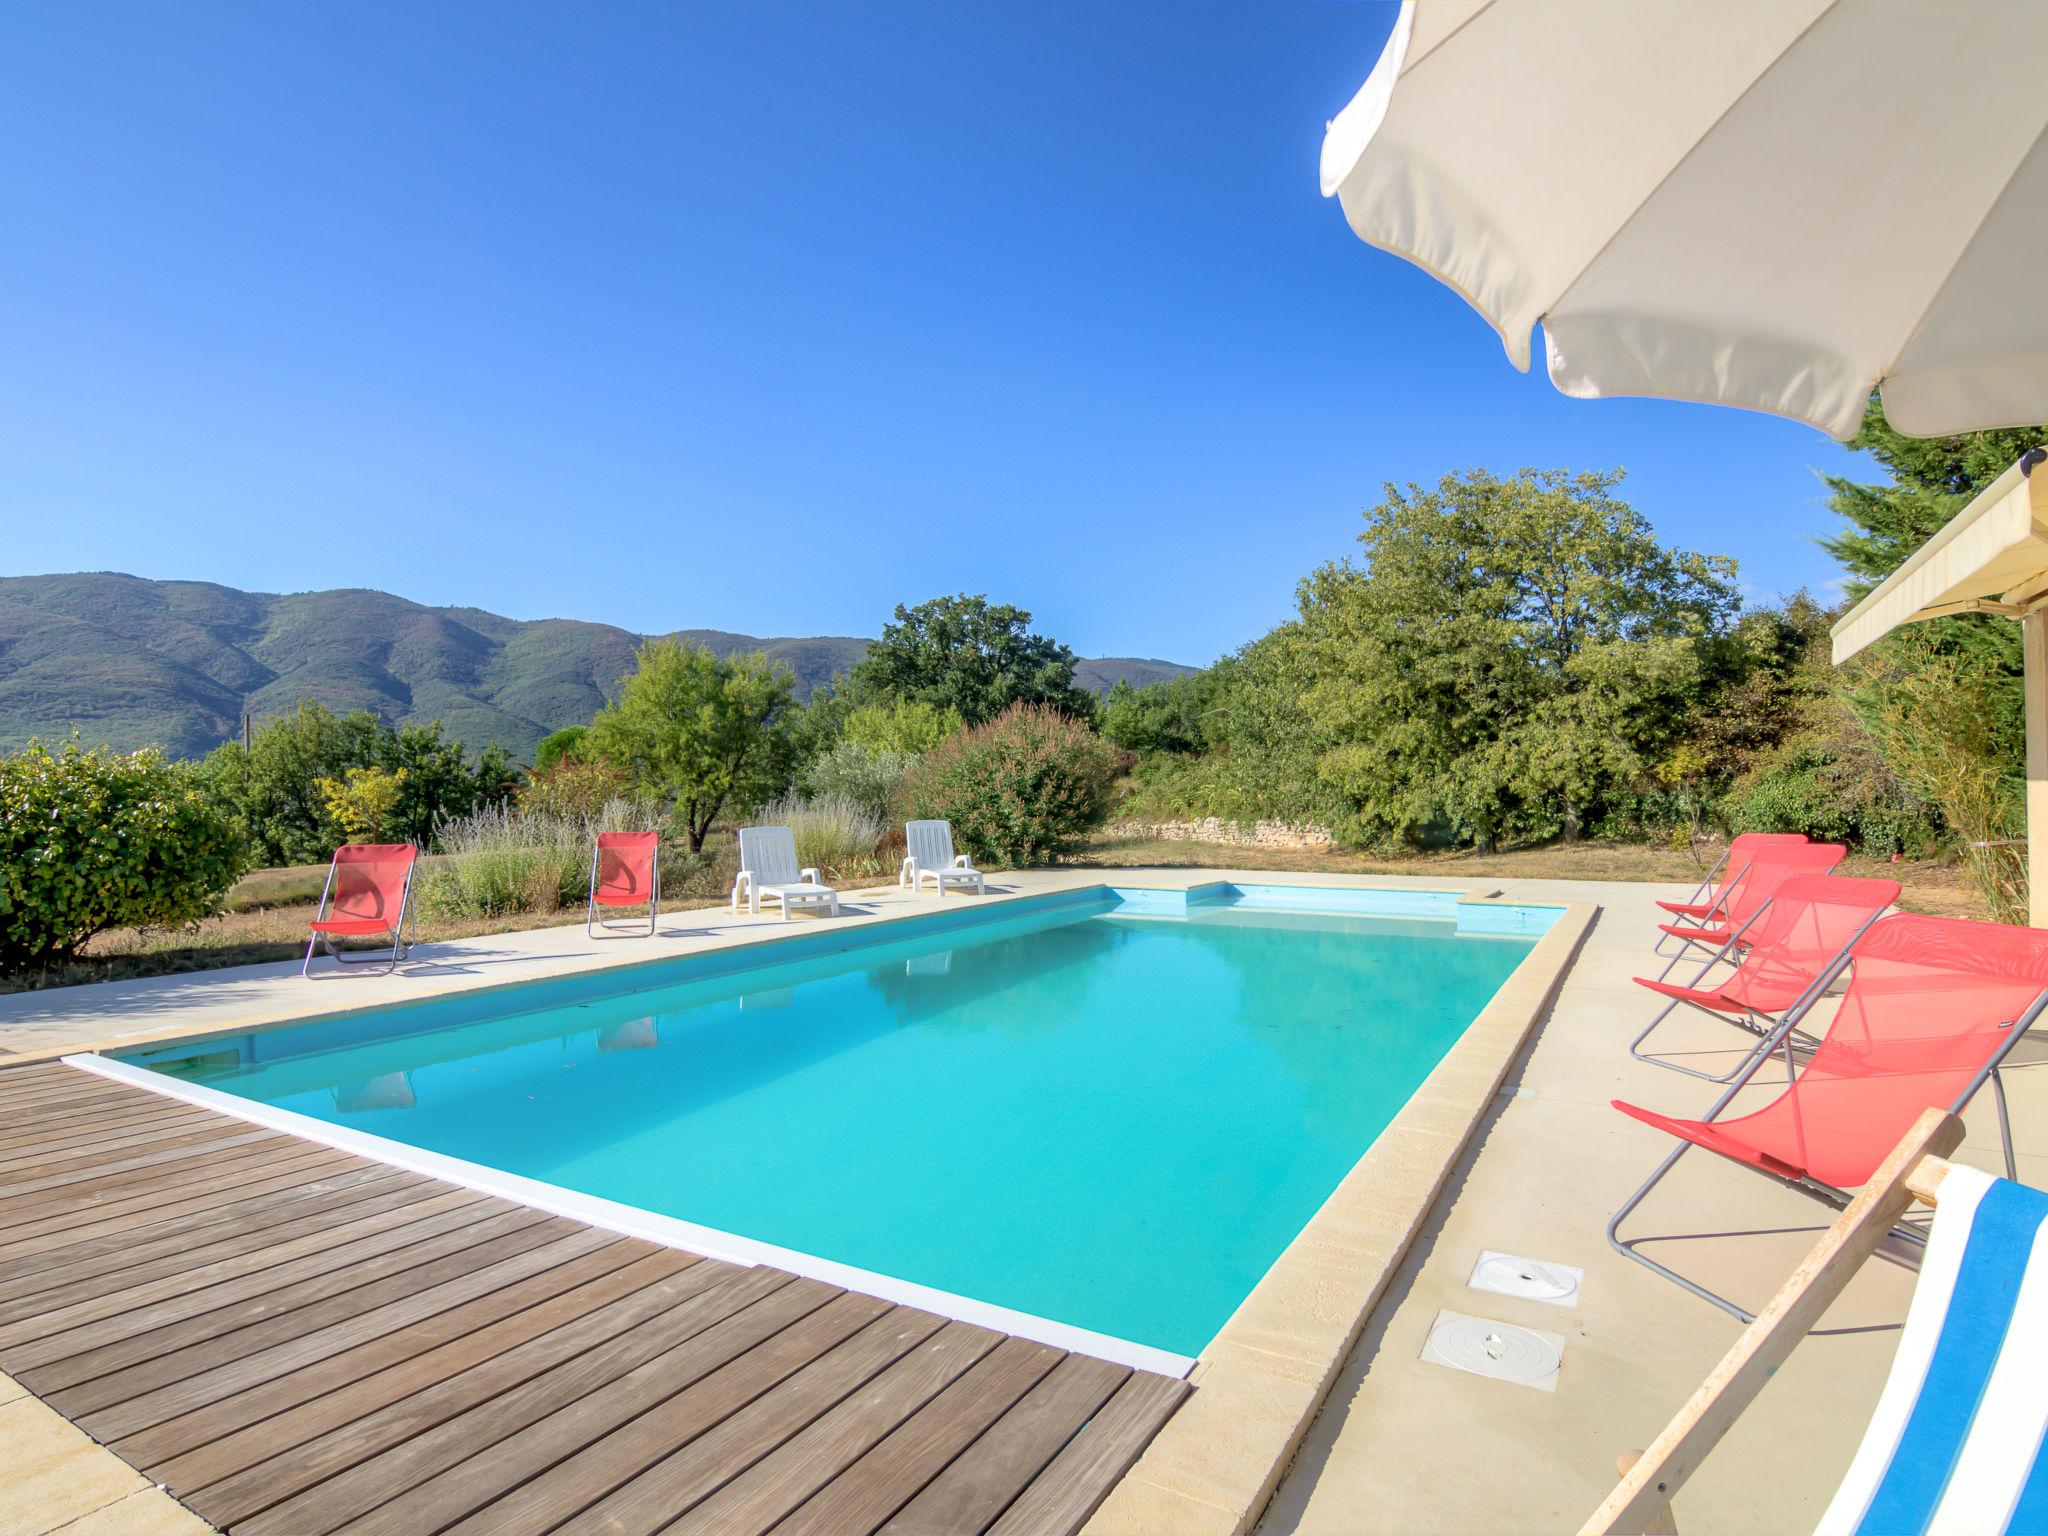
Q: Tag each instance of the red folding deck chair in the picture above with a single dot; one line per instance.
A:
(1934, 1005)
(625, 871)
(1809, 923)
(368, 892)
(1706, 900)
(1745, 898)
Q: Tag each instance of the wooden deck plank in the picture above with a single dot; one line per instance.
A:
(214, 1299)
(297, 1341)
(212, 1443)
(470, 1479)
(768, 1490)
(189, 1391)
(102, 1162)
(33, 1138)
(100, 1187)
(100, 1135)
(897, 1469)
(649, 1500)
(985, 1479)
(409, 1414)
(194, 1351)
(223, 1222)
(103, 1101)
(483, 1423)
(281, 1177)
(48, 1293)
(1060, 1499)
(572, 1483)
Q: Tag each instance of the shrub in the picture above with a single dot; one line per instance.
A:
(1833, 793)
(868, 776)
(96, 840)
(1026, 787)
(834, 834)
(502, 860)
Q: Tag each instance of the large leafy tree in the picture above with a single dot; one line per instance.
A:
(969, 655)
(273, 787)
(1944, 701)
(1508, 651)
(702, 730)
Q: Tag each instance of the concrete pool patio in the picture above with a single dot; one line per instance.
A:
(1399, 1444)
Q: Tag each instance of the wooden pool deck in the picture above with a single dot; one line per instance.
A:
(293, 1341)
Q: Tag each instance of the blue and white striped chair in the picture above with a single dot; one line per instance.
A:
(1955, 1444)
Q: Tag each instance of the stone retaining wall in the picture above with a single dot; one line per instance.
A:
(1213, 829)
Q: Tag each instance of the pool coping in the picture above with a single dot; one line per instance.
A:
(1261, 1381)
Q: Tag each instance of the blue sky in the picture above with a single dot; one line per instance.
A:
(754, 317)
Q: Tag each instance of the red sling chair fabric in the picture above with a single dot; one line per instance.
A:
(1808, 924)
(625, 868)
(1748, 892)
(1932, 1004)
(368, 887)
(1741, 853)
(625, 871)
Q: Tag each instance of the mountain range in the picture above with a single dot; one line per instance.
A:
(135, 663)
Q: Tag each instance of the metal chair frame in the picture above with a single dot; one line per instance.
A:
(401, 947)
(1827, 1194)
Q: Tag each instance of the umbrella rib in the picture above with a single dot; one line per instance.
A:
(1976, 230)
(1692, 149)
(1418, 60)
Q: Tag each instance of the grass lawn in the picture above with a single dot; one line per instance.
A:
(268, 910)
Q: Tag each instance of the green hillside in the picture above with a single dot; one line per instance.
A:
(174, 663)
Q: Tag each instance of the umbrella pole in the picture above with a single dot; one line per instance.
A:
(2034, 648)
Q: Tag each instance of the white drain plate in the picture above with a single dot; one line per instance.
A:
(1525, 1356)
(1509, 1274)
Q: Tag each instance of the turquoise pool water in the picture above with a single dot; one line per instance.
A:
(1111, 1120)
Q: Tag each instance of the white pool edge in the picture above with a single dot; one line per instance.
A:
(632, 1221)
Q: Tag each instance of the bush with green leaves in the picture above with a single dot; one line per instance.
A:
(1024, 788)
(869, 777)
(94, 840)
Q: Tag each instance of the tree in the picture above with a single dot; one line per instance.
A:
(699, 729)
(437, 781)
(1509, 651)
(273, 788)
(971, 656)
(1179, 715)
(557, 746)
(362, 802)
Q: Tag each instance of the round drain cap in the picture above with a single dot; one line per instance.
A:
(1524, 1277)
(1500, 1350)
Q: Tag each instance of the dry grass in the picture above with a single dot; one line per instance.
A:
(1931, 885)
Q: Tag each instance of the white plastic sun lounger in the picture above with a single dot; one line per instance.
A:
(932, 858)
(1955, 1443)
(768, 873)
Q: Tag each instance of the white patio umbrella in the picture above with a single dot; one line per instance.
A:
(1774, 204)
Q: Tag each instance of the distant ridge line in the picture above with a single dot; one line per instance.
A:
(135, 662)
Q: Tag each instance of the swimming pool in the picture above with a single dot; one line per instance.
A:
(1111, 1109)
